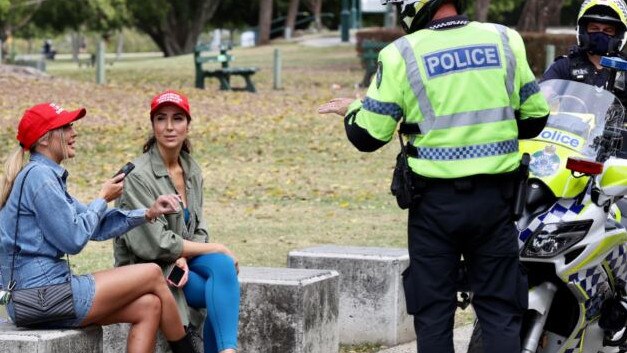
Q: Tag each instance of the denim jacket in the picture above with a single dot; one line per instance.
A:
(52, 223)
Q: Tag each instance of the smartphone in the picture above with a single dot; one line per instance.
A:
(126, 169)
(175, 275)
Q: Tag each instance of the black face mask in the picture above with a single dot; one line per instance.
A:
(599, 43)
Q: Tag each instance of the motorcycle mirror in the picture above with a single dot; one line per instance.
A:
(615, 63)
(584, 166)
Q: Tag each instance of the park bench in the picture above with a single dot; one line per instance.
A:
(36, 61)
(224, 73)
(372, 300)
(369, 58)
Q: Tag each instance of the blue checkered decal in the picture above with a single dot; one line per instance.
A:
(591, 281)
(617, 261)
(528, 90)
(566, 208)
(389, 109)
(467, 152)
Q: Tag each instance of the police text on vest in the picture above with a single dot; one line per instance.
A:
(460, 59)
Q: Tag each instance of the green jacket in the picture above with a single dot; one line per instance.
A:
(162, 241)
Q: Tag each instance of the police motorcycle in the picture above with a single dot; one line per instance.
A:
(570, 237)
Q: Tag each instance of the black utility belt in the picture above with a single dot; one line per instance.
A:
(467, 182)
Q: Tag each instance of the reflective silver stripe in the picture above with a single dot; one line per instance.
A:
(510, 58)
(473, 118)
(467, 152)
(415, 81)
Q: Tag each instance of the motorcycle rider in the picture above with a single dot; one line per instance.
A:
(601, 31)
(466, 94)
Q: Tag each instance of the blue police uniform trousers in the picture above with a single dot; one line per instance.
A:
(470, 217)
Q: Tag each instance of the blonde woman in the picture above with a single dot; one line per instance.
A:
(52, 223)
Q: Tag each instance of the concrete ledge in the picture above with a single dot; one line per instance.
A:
(372, 300)
(281, 310)
(288, 310)
(18, 340)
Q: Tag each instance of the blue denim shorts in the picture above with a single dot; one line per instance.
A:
(83, 291)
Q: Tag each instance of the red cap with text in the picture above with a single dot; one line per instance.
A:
(169, 97)
(41, 118)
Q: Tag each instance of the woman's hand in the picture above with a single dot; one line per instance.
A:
(165, 204)
(338, 106)
(112, 188)
(181, 262)
(226, 251)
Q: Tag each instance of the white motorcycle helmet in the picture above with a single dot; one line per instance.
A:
(612, 12)
(415, 14)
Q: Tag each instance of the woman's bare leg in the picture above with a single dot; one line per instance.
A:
(119, 287)
(144, 315)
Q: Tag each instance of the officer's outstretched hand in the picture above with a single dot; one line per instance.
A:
(338, 106)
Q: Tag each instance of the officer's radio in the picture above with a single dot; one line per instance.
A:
(402, 186)
(520, 193)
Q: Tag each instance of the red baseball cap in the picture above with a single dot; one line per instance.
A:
(169, 97)
(41, 118)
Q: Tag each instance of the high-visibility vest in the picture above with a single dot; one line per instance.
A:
(462, 87)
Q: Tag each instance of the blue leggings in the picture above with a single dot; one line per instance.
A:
(213, 285)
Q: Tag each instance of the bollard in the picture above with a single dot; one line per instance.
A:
(345, 15)
(277, 69)
(549, 55)
(287, 33)
(1, 43)
(100, 63)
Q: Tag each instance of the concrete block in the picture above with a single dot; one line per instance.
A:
(114, 339)
(288, 310)
(20, 340)
(372, 300)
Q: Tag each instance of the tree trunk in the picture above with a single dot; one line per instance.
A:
(76, 44)
(120, 46)
(315, 6)
(265, 21)
(481, 10)
(537, 15)
(292, 12)
(178, 33)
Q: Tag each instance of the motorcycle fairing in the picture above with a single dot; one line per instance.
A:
(548, 163)
(594, 285)
(617, 263)
(569, 209)
(613, 181)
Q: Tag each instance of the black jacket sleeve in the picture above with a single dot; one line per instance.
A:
(359, 137)
(530, 128)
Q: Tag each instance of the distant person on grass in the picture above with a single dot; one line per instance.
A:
(52, 223)
(210, 279)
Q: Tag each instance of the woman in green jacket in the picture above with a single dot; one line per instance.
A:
(210, 269)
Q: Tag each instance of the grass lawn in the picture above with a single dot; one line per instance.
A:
(278, 176)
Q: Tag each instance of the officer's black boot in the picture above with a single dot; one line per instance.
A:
(184, 345)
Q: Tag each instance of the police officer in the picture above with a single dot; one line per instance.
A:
(601, 31)
(601, 26)
(464, 94)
